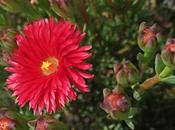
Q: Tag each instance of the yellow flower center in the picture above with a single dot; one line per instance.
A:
(46, 65)
(49, 66)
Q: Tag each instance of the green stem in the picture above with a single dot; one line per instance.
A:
(147, 56)
(166, 71)
(147, 59)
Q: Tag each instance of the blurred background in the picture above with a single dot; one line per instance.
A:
(112, 30)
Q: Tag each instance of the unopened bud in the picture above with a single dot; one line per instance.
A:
(168, 53)
(64, 8)
(42, 123)
(7, 44)
(126, 73)
(7, 124)
(114, 103)
(7, 40)
(148, 37)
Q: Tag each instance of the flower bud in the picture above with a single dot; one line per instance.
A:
(114, 103)
(168, 53)
(42, 123)
(126, 73)
(7, 40)
(7, 124)
(7, 44)
(148, 37)
(64, 8)
(47, 123)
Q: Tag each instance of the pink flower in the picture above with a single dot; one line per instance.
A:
(47, 62)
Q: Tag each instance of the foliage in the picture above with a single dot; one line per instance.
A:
(112, 28)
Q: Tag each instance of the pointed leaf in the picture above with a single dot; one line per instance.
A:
(159, 65)
(130, 124)
(136, 95)
(169, 79)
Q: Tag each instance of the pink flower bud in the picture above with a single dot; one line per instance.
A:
(147, 39)
(7, 124)
(115, 102)
(126, 73)
(168, 53)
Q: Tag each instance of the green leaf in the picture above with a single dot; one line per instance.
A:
(58, 125)
(11, 6)
(44, 4)
(124, 115)
(169, 79)
(130, 124)
(137, 95)
(132, 112)
(159, 65)
(28, 10)
(118, 127)
(2, 19)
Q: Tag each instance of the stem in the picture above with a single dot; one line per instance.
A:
(147, 56)
(166, 71)
(146, 61)
(149, 83)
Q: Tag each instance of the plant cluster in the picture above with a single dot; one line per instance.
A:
(49, 48)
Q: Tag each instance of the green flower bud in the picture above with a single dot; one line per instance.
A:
(168, 53)
(148, 37)
(115, 103)
(126, 73)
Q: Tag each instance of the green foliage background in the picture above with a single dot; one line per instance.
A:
(112, 30)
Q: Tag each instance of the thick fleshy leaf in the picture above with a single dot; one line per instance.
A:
(169, 79)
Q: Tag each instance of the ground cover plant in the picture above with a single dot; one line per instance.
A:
(87, 65)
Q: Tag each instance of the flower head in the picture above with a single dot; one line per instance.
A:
(126, 73)
(7, 124)
(148, 36)
(115, 103)
(47, 62)
(42, 123)
(168, 53)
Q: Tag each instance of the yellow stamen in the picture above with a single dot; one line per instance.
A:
(46, 65)
(49, 66)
